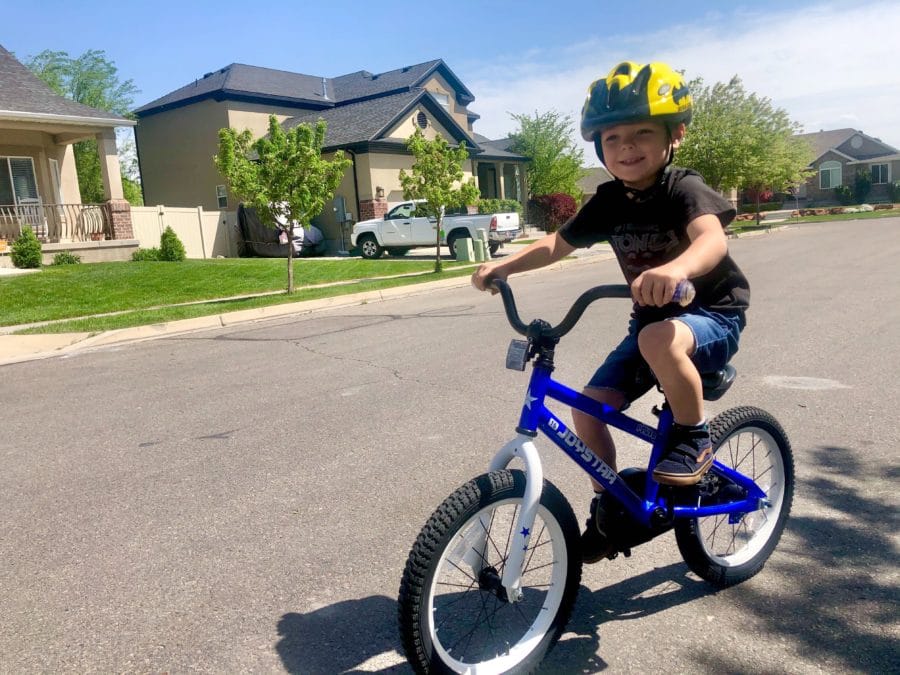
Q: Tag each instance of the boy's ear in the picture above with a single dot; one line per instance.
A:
(678, 132)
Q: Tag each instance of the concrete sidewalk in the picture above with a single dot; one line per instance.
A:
(19, 348)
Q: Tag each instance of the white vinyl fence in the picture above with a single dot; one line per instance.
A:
(205, 234)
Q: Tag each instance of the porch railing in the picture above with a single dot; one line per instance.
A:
(57, 222)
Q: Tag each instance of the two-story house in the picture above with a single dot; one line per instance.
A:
(369, 117)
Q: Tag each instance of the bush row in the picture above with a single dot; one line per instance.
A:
(550, 211)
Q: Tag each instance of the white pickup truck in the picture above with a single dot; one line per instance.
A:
(401, 229)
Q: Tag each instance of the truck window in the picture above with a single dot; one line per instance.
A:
(401, 211)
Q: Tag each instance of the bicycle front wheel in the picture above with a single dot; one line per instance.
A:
(728, 549)
(454, 613)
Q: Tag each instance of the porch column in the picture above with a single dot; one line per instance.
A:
(120, 215)
(109, 165)
(502, 180)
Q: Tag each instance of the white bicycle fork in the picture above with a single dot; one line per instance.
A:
(524, 448)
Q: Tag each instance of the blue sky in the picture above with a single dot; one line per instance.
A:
(830, 65)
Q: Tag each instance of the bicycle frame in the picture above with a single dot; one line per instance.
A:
(536, 417)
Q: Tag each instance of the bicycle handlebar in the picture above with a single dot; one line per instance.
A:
(574, 313)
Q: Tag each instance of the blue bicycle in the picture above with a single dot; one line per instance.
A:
(491, 580)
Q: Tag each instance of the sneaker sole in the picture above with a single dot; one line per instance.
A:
(682, 479)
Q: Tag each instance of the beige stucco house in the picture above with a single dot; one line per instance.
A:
(369, 117)
(38, 182)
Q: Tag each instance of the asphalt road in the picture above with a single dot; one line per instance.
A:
(244, 499)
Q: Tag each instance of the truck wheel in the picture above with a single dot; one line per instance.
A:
(369, 247)
(494, 246)
(451, 242)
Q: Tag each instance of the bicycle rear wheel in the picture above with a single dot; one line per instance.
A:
(724, 549)
(453, 611)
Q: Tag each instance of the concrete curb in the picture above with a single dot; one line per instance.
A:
(20, 348)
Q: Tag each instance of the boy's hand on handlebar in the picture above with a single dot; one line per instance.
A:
(655, 287)
(482, 277)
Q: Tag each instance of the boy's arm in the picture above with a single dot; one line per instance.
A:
(708, 246)
(544, 251)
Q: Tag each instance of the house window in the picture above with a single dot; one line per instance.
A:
(222, 196)
(829, 175)
(17, 182)
(443, 99)
(881, 174)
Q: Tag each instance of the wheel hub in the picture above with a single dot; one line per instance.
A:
(489, 580)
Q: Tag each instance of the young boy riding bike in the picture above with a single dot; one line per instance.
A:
(665, 225)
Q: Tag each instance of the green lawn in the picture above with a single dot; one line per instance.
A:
(71, 291)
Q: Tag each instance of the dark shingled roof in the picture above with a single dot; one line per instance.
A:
(239, 80)
(366, 120)
(252, 82)
(363, 84)
(22, 91)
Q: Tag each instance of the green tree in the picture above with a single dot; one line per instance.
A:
(93, 80)
(282, 175)
(740, 140)
(555, 161)
(437, 177)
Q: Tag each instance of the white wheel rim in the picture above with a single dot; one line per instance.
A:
(755, 453)
(547, 541)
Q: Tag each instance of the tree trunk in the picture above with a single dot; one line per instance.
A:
(757, 208)
(290, 259)
(437, 254)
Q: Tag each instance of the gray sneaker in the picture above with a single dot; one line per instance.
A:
(688, 456)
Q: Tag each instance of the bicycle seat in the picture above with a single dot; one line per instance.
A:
(715, 384)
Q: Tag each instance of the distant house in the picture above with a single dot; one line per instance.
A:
(839, 155)
(369, 116)
(596, 175)
(38, 181)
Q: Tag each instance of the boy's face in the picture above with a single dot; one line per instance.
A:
(634, 153)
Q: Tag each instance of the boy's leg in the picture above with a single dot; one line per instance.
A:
(678, 350)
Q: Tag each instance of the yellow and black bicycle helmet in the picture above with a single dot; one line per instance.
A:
(635, 93)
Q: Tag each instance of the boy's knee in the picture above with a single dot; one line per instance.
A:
(664, 337)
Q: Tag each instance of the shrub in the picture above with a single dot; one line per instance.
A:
(551, 211)
(499, 206)
(844, 194)
(894, 191)
(26, 250)
(66, 258)
(862, 184)
(145, 254)
(170, 246)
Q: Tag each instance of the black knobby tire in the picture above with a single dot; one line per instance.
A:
(451, 242)
(493, 247)
(369, 247)
(440, 588)
(725, 553)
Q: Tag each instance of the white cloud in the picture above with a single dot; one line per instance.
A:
(829, 66)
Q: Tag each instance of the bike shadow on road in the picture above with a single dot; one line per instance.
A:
(339, 638)
(634, 598)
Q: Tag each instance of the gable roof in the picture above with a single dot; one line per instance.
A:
(596, 175)
(823, 141)
(253, 83)
(367, 120)
(24, 96)
(497, 149)
(243, 82)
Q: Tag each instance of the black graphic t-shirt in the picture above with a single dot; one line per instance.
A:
(649, 232)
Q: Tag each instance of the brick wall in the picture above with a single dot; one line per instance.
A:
(372, 208)
(120, 212)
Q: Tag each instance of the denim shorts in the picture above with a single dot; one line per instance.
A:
(716, 337)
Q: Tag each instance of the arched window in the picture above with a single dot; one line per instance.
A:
(830, 175)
